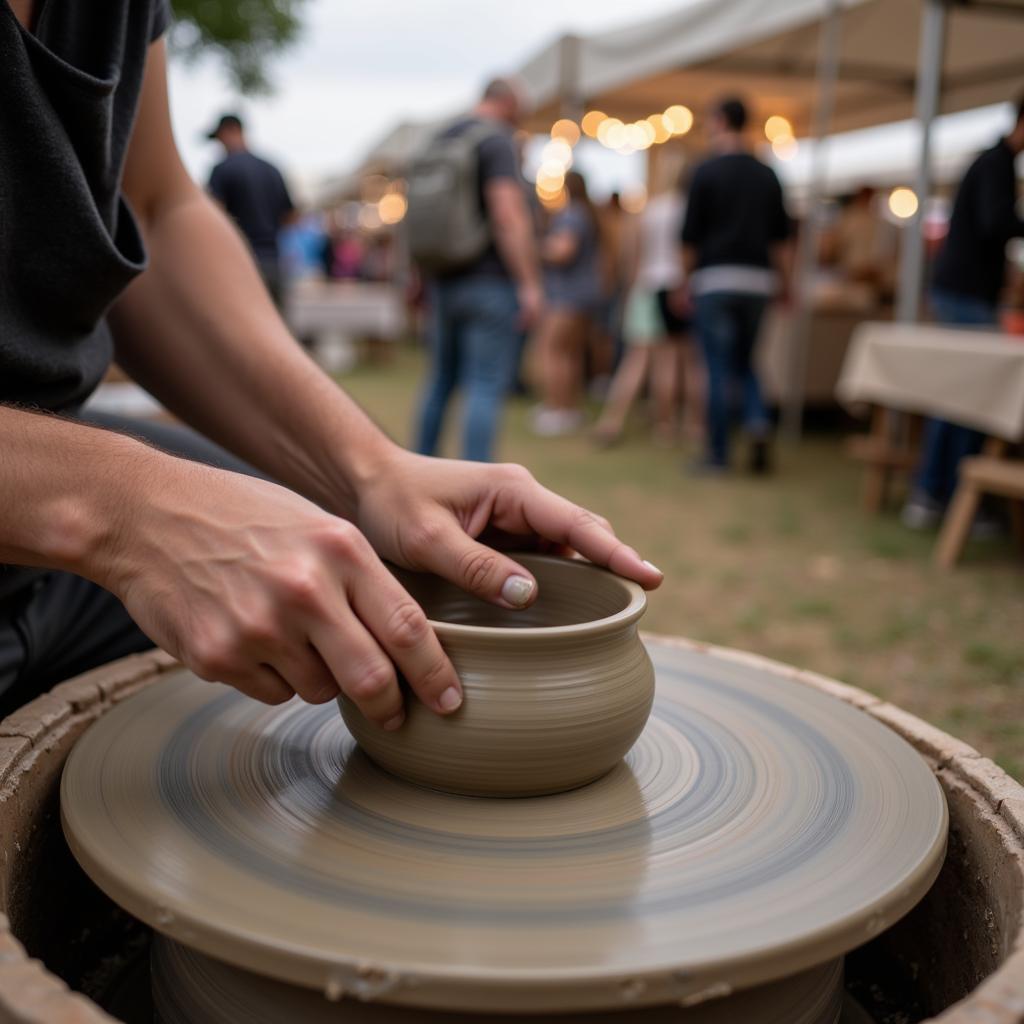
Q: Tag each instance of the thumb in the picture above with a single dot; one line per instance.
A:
(481, 570)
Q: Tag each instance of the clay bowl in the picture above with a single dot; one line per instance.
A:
(555, 694)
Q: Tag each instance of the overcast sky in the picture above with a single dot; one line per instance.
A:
(361, 67)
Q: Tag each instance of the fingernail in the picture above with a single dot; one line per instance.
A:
(394, 723)
(518, 590)
(651, 565)
(450, 699)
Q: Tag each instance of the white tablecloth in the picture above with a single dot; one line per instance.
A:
(974, 378)
(350, 308)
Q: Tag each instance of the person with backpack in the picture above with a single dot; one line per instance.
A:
(470, 231)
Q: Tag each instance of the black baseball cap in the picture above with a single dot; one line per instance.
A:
(226, 121)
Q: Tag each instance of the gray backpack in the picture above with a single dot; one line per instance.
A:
(444, 225)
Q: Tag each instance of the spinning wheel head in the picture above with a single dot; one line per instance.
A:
(756, 829)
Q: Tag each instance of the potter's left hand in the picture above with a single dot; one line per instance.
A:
(441, 516)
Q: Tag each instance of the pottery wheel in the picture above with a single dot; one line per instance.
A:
(757, 828)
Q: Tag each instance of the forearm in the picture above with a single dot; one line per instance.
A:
(66, 492)
(782, 257)
(513, 238)
(199, 331)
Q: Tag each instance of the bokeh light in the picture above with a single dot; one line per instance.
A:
(634, 137)
(391, 208)
(612, 133)
(566, 131)
(903, 203)
(592, 121)
(784, 147)
(661, 130)
(557, 151)
(678, 119)
(777, 127)
(369, 217)
(552, 199)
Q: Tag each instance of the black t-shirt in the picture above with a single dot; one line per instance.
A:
(497, 159)
(68, 242)
(735, 212)
(255, 195)
(69, 91)
(972, 260)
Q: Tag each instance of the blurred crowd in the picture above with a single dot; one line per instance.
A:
(593, 310)
(573, 299)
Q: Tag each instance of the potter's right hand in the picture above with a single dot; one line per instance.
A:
(249, 584)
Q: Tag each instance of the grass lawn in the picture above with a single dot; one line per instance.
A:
(791, 568)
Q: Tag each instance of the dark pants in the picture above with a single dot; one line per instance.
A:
(474, 343)
(944, 443)
(727, 326)
(273, 278)
(60, 624)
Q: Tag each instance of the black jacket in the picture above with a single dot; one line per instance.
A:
(972, 260)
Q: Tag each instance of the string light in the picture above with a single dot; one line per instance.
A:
(615, 134)
(903, 203)
(609, 132)
(369, 217)
(557, 151)
(784, 147)
(566, 131)
(391, 208)
(592, 121)
(552, 199)
(777, 127)
(678, 119)
(661, 130)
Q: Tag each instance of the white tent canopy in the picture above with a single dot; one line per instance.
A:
(768, 51)
(388, 156)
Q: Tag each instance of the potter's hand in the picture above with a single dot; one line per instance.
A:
(426, 513)
(249, 584)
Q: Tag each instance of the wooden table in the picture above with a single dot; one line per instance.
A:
(970, 377)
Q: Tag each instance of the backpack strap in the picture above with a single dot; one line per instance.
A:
(478, 130)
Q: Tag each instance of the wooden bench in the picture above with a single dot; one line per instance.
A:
(980, 474)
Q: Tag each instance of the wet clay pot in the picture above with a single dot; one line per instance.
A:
(555, 694)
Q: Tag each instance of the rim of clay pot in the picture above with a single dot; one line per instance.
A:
(635, 606)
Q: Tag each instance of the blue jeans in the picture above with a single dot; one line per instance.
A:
(944, 443)
(474, 341)
(727, 326)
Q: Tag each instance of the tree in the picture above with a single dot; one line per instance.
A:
(245, 33)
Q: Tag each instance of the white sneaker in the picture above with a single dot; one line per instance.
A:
(556, 422)
(921, 512)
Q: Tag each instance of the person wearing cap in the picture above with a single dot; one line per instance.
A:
(110, 544)
(254, 194)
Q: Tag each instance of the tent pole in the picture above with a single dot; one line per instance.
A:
(810, 236)
(929, 94)
(570, 103)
